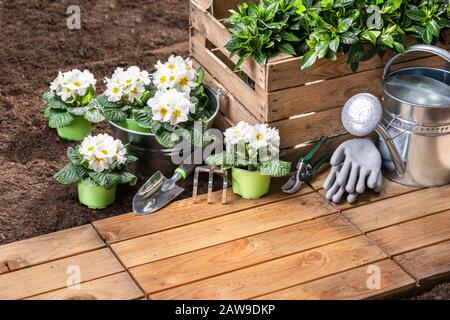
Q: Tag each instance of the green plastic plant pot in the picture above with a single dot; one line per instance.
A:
(132, 125)
(79, 129)
(249, 184)
(96, 197)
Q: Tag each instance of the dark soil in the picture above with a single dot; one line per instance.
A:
(36, 44)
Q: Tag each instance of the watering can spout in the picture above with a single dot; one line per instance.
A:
(400, 165)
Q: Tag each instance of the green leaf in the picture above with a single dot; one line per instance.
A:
(56, 103)
(71, 173)
(308, 59)
(105, 179)
(47, 96)
(371, 35)
(77, 111)
(344, 25)
(433, 28)
(166, 139)
(276, 168)
(59, 119)
(334, 44)
(322, 49)
(349, 38)
(88, 95)
(259, 57)
(399, 47)
(287, 36)
(200, 76)
(415, 14)
(105, 103)
(94, 116)
(126, 177)
(427, 36)
(287, 48)
(74, 156)
(387, 40)
(114, 115)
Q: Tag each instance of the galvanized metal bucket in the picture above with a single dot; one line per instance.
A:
(419, 129)
(152, 156)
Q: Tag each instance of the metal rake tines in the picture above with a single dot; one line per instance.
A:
(211, 171)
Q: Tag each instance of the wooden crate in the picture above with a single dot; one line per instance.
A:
(303, 104)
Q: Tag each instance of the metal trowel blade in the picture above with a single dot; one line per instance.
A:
(156, 193)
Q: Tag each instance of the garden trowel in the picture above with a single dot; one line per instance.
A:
(158, 191)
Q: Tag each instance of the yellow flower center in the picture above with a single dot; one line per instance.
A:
(176, 113)
(115, 90)
(91, 148)
(105, 152)
(163, 79)
(259, 136)
(172, 78)
(68, 90)
(188, 68)
(171, 66)
(77, 84)
(134, 91)
(98, 160)
(128, 81)
(183, 81)
(163, 111)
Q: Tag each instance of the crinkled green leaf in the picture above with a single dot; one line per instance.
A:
(59, 119)
(94, 116)
(275, 168)
(77, 111)
(114, 114)
(71, 173)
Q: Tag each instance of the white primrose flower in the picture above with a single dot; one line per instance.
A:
(171, 106)
(263, 136)
(241, 132)
(176, 73)
(130, 82)
(69, 84)
(101, 151)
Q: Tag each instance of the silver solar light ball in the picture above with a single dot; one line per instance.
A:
(362, 114)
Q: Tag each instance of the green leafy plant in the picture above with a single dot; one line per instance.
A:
(253, 148)
(360, 29)
(126, 91)
(71, 95)
(177, 111)
(98, 161)
(264, 30)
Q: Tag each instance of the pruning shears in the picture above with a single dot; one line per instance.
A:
(305, 170)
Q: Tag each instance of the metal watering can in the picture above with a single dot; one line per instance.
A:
(415, 126)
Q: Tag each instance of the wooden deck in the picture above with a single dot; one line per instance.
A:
(278, 247)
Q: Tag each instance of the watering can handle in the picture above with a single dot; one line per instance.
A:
(444, 54)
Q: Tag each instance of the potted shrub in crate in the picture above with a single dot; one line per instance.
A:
(70, 105)
(252, 153)
(97, 165)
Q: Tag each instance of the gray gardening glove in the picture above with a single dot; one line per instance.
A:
(361, 164)
(335, 192)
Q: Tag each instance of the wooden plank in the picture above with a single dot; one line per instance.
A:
(211, 232)
(349, 285)
(115, 287)
(390, 189)
(55, 275)
(428, 263)
(25, 253)
(229, 106)
(281, 273)
(213, 30)
(400, 209)
(222, 122)
(221, 7)
(184, 212)
(413, 234)
(309, 127)
(226, 257)
(232, 83)
(328, 94)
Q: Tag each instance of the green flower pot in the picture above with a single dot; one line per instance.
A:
(79, 129)
(249, 184)
(132, 125)
(96, 197)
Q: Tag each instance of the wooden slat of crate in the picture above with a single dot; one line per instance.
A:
(211, 232)
(231, 81)
(55, 275)
(26, 253)
(213, 30)
(427, 264)
(237, 254)
(413, 234)
(184, 212)
(399, 209)
(328, 94)
(349, 285)
(115, 287)
(278, 274)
